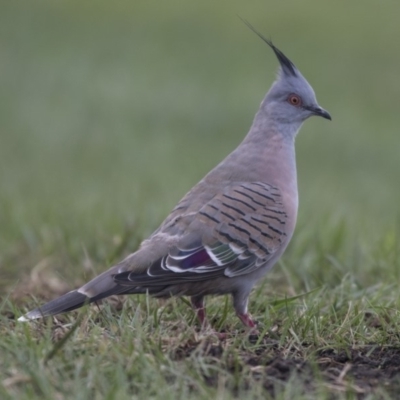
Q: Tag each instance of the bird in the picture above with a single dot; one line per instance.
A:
(230, 229)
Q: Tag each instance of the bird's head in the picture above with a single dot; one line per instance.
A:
(291, 98)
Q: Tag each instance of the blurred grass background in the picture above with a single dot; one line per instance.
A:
(111, 111)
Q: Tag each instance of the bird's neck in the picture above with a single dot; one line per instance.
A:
(267, 123)
(273, 153)
(266, 154)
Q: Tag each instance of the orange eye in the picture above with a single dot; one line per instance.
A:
(294, 100)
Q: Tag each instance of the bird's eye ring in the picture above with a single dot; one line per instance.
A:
(294, 100)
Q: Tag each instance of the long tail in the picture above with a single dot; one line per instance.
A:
(68, 302)
(98, 288)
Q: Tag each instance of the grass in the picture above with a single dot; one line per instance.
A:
(110, 113)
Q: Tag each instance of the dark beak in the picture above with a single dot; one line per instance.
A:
(321, 113)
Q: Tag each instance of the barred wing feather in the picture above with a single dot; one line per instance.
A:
(247, 226)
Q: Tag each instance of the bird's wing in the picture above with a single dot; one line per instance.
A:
(233, 234)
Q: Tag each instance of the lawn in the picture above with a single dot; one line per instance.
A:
(111, 111)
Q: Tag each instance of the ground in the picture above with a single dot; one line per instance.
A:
(240, 360)
(356, 370)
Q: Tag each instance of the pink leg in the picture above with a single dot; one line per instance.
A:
(198, 306)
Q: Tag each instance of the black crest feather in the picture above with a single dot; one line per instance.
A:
(287, 66)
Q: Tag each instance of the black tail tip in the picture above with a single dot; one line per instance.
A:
(68, 302)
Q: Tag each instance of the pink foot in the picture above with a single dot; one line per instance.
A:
(198, 307)
(248, 322)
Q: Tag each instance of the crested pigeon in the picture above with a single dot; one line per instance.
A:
(230, 228)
